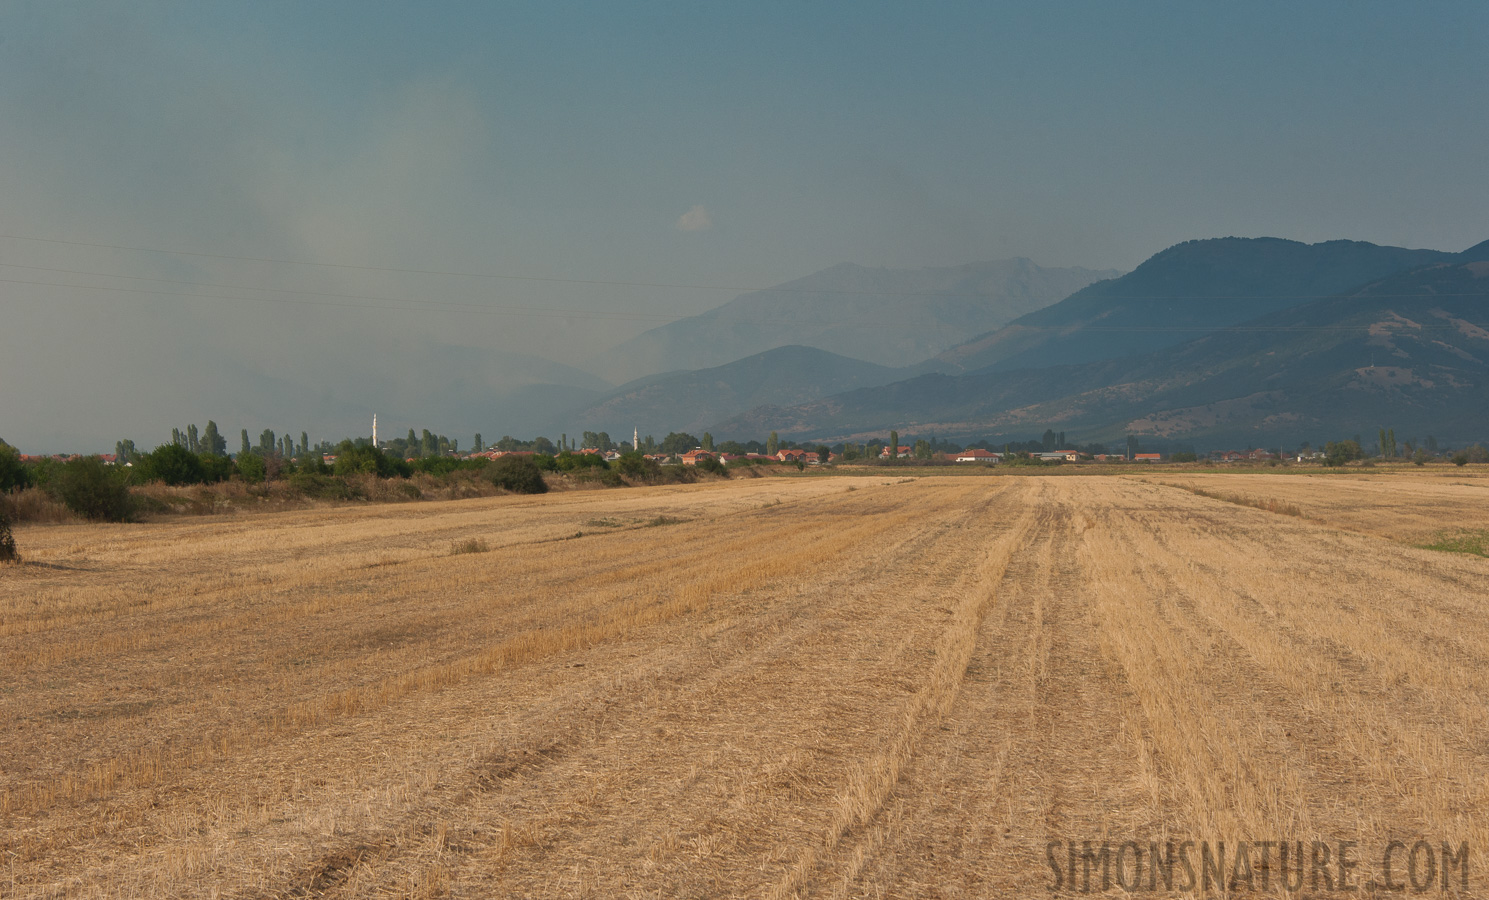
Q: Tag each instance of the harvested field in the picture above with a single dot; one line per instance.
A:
(810, 687)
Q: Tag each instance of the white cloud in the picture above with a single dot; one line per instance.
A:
(695, 219)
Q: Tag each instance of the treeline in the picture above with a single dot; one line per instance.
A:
(88, 487)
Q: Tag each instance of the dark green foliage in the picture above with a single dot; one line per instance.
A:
(172, 464)
(712, 466)
(1183, 456)
(216, 467)
(322, 487)
(13, 474)
(354, 458)
(678, 442)
(7, 540)
(636, 466)
(87, 487)
(251, 467)
(1337, 453)
(518, 474)
(571, 462)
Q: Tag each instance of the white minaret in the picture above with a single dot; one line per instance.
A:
(374, 429)
(636, 440)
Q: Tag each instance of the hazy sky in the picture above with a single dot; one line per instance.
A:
(735, 145)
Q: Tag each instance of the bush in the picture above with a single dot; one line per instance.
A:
(1460, 458)
(172, 464)
(353, 459)
(517, 474)
(712, 466)
(636, 465)
(7, 540)
(321, 487)
(13, 474)
(570, 462)
(1337, 453)
(1184, 457)
(251, 466)
(88, 488)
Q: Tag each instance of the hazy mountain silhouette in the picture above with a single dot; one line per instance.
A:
(1181, 293)
(893, 317)
(1410, 351)
(689, 401)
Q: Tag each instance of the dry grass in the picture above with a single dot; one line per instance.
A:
(792, 690)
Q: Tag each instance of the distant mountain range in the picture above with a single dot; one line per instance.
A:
(690, 401)
(1228, 341)
(892, 317)
(1183, 292)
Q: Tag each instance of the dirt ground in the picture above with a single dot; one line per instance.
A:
(813, 687)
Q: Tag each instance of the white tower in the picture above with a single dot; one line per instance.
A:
(636, 440)
(374, 429)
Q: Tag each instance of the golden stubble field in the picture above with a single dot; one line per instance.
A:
(810, 687)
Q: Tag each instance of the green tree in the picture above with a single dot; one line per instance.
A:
(707, 442)
(894, 445)
(1381, 443)
(1391, 438)
(246, 448)
(773, 445)
(517, 474)
(678, 442)
(824, 453)
(923, 449)
(87, 487)
(7, 540)
(304, 444)
(353, 458)
(124, 452)
(252, 468)
(636, 466)
(172, 464)
(193, 440)
(1337, 453)
(412, 447)
(479, 447)
(213, 442)
(13, 474)
(268, 443)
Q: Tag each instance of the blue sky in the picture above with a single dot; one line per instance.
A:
(573, 140)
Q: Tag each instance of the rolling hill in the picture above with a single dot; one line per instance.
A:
(892, 316)
(1410, 350)
(1181, 293)
(690, 401)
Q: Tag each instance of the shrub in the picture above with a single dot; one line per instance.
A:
(215, 468)
(1337, 453)
(517, 474)
(7, 540)
(637, 466)
(13, 474)
(89, 489)
(569, 462)
(713, 466)
(1182, 456)
(321, 487)
(251, 466)
(352, 458)
(1460, 458)
(172, 464)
